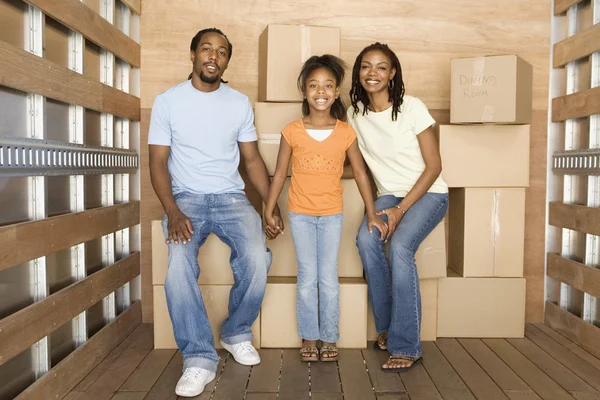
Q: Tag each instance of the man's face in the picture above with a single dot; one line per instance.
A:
(211, 57)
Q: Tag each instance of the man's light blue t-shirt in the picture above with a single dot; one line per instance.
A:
(203, 131)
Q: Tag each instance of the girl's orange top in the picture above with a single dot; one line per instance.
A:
(317, 168)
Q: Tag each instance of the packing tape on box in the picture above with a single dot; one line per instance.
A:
(304, 43)
(495, 218)
(488, 113)
(478, 69)
(270, 138)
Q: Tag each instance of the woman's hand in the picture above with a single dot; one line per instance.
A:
(394, 216)
(375, 221)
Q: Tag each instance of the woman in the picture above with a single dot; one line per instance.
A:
(396, 139)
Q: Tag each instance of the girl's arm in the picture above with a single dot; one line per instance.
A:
(283, 161)
(364, 187)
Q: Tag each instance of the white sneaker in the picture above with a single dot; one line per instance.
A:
(244, 353)
(193, 381)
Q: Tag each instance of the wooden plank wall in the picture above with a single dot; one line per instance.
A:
(571, 312)
(425, 34)
(49, 75)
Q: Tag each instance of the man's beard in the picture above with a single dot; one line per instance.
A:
(208, 79)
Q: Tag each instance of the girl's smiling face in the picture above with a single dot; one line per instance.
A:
(321, 89)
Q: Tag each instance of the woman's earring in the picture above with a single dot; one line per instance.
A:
(391, 84)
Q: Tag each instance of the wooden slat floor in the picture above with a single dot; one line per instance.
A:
(543, 365)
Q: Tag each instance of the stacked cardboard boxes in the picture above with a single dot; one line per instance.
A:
(485, 158)
(477, 291)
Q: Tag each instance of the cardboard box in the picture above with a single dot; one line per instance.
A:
(282, 49)
(493, 89)
(213, 259)
(349, 263)
(279, 325)
(487, 232)
(429, 309)
(269, 149)
(271, 118)
(485, 155)
(216, 301)
(481, 307)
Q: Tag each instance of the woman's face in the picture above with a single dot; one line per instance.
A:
(375, 71)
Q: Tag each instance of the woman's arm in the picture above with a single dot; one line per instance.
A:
(433, 168)
(364, 187)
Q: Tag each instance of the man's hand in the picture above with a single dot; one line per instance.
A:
(274, 224)
(179, 227)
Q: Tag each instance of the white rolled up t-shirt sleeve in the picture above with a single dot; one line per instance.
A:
(420, 117)
(247, 131)
(160, 126)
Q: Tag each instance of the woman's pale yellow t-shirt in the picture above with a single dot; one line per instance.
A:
(391, 148)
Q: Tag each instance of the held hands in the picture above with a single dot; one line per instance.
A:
(179, 227)
(375, 221)
(394, 216)
(274, 225)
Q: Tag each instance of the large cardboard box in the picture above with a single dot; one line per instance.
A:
(481, 307)
(271, 118)
(216, 301)
(213, 259)
(349, 264)
(493, 89)
(431, 257)
(485, 155)
(282, 49)
(269, 149)
(487, 232)
(429, 309)
(279, 325)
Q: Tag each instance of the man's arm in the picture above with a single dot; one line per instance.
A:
(179, 225)
(255, 166)
(257, 172)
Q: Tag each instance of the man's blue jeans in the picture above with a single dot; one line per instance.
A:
(233, 219)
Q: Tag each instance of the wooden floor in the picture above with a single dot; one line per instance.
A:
(544, 365)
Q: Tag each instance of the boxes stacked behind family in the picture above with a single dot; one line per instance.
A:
(485, 158)
(486, 166)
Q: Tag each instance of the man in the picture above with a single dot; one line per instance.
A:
(197, 131)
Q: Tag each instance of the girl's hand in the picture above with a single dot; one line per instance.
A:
(379, 223)
(394, 216)
(274, 226)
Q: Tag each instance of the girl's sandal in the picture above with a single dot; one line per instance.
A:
(331, 351)
(381, 343)
(309, 354)
(400, 369)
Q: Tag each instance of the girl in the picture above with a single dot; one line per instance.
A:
(398, 144)
(317, 145)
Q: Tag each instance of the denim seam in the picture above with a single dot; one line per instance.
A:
(200, 356)
(406, 355)
(233, 248)
(427, 224)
